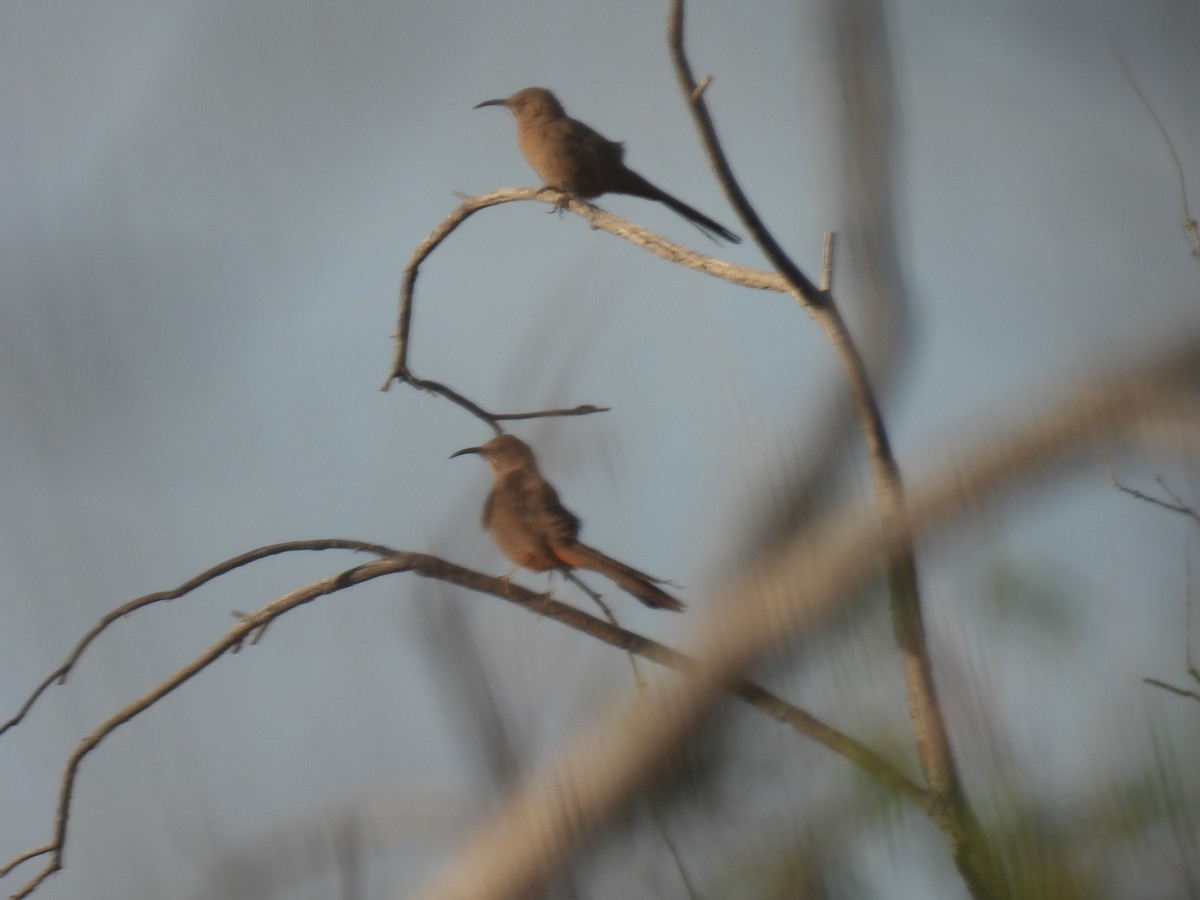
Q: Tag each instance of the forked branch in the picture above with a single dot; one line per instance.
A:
(390, 562)
(597, 218)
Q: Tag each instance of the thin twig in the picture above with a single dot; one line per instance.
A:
(1191, 230)
(598, 599)
(494, 418)
(661, 826)
(598, 218)
(1182, 692)
(126, 609)
(235, 637)
(642, 688)
(1187, 619)
(1177, 507)
(1179, 501)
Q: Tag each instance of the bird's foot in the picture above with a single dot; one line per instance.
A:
(562, 198)
(507, 576)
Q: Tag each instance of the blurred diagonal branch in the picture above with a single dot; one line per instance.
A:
(1153, 405)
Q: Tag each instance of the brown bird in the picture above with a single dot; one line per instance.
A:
(534, 530)
(574, 158)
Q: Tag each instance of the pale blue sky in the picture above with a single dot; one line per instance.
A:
(205, 208)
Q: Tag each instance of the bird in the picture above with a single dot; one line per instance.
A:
(534, 530)
(574, 158)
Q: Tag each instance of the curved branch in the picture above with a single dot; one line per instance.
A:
(232, 640)
(808, 292)
(394, 561)
(597, 218)
(223, 568)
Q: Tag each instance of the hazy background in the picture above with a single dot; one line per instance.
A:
(205, 208)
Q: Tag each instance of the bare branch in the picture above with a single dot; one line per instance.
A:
(789, 592)
(1177, 507)
(693, 93)
(932, 738)
(1190, 229)
(492, 418)
(1182, 692)
(394, 561)
(597, 218)
(223, 568)
(234, 638)
(25, 857)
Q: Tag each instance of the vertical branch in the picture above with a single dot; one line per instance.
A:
(828, 255)
(865, 79)
(863, 44)
(808, 293)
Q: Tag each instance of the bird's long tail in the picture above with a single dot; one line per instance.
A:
(635, 185)
(639, 584)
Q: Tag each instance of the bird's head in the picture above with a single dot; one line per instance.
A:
(505, 453)
(530, 103)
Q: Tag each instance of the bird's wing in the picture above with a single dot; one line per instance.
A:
(558, 523)
(600, 149)
(488, 506)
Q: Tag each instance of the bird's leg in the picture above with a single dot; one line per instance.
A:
(563, 198)
(608, 614)
(563, 201)
(596, 597)
(255, 636)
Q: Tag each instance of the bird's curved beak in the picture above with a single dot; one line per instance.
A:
(465, 450)
(503, 101)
